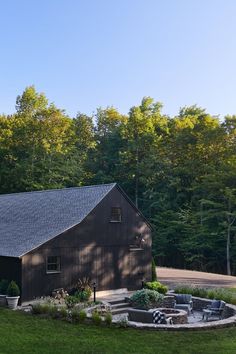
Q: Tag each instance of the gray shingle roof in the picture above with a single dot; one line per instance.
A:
(27, 220)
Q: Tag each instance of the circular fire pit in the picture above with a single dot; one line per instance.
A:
(178, 316)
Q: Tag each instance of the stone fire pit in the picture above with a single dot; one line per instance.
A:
(178, 316)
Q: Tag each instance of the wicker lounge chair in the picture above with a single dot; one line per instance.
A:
(184, 302)
(215, 309)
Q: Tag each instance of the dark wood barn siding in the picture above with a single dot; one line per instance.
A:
(10, 269)
(96, 248)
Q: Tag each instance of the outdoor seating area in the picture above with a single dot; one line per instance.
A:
(182, 312)
(187, 310)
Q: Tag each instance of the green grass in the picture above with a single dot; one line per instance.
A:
(24, 333)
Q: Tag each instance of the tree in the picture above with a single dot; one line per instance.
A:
(143, 130)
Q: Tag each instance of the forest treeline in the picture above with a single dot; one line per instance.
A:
(180, 171)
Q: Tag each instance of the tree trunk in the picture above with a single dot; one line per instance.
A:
(137, 177)
(228, 250)
(228, 238)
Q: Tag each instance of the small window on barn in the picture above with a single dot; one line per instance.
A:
(53, 264)
(115, 214)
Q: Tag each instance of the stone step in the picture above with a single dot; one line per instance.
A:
(118, 306)
(120, 310)
(116, 301)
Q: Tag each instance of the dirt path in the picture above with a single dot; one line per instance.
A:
(173, 277)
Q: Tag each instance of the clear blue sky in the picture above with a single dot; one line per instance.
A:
(89, 53)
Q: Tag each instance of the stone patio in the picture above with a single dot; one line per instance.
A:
(195, 321)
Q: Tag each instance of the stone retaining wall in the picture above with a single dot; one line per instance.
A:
(168, 301)
(199, 304)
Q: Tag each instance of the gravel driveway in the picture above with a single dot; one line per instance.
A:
(173, 277)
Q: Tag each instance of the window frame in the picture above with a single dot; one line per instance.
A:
(57, 263)
(120, 215)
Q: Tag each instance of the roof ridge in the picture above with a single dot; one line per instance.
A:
(58, 189)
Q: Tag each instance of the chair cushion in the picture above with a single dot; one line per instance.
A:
(179, 299)
(183, 298)
(215, 304)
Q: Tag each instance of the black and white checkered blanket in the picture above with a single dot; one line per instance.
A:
(158, 317)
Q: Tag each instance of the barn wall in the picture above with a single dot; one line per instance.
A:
(10, 269)
(96, 248)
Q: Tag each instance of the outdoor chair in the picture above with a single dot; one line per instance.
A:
(215, 309)
(184, 302)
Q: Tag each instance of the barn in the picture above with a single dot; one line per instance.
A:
(49, 239)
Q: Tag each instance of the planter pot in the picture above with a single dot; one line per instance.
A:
(12, 301)
(3, 301)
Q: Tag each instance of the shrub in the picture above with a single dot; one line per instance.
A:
(82, 316)
(39, 309)
(63, 312)
(45, 308)
(78, 316)
(75, 315)
(53, 311)
(84, 289)
(83, 295)
(108, 318)
(211, 294)
(145, 299)
(226, 295)
(36, 309)
(96, 318)
(154, 272)
(13, 289)
(157, 286)
(3, 286)
(195, 291)
(71, 301)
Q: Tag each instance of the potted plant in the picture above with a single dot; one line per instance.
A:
(13, 295)
(3, 292)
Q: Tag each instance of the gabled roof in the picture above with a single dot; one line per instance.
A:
(28, 220)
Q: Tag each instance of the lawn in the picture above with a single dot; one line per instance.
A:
(24, 333)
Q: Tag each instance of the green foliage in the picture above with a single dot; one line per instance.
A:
(50, 310)
(53, 311)
(195, 291)
(78, 315)
(83, 295)
(108, 318)
(3, 286)
(36, 309)
(75, 315)
(96, 318)
(225, 294)
(63, 312)
(154, 271)
(157, 286)
(146, 299)
(71, 301)
(82, 316)
(84, 290)
(13, 289)
(180, 170)
(41, 309)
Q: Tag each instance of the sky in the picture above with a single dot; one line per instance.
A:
(84, 54)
